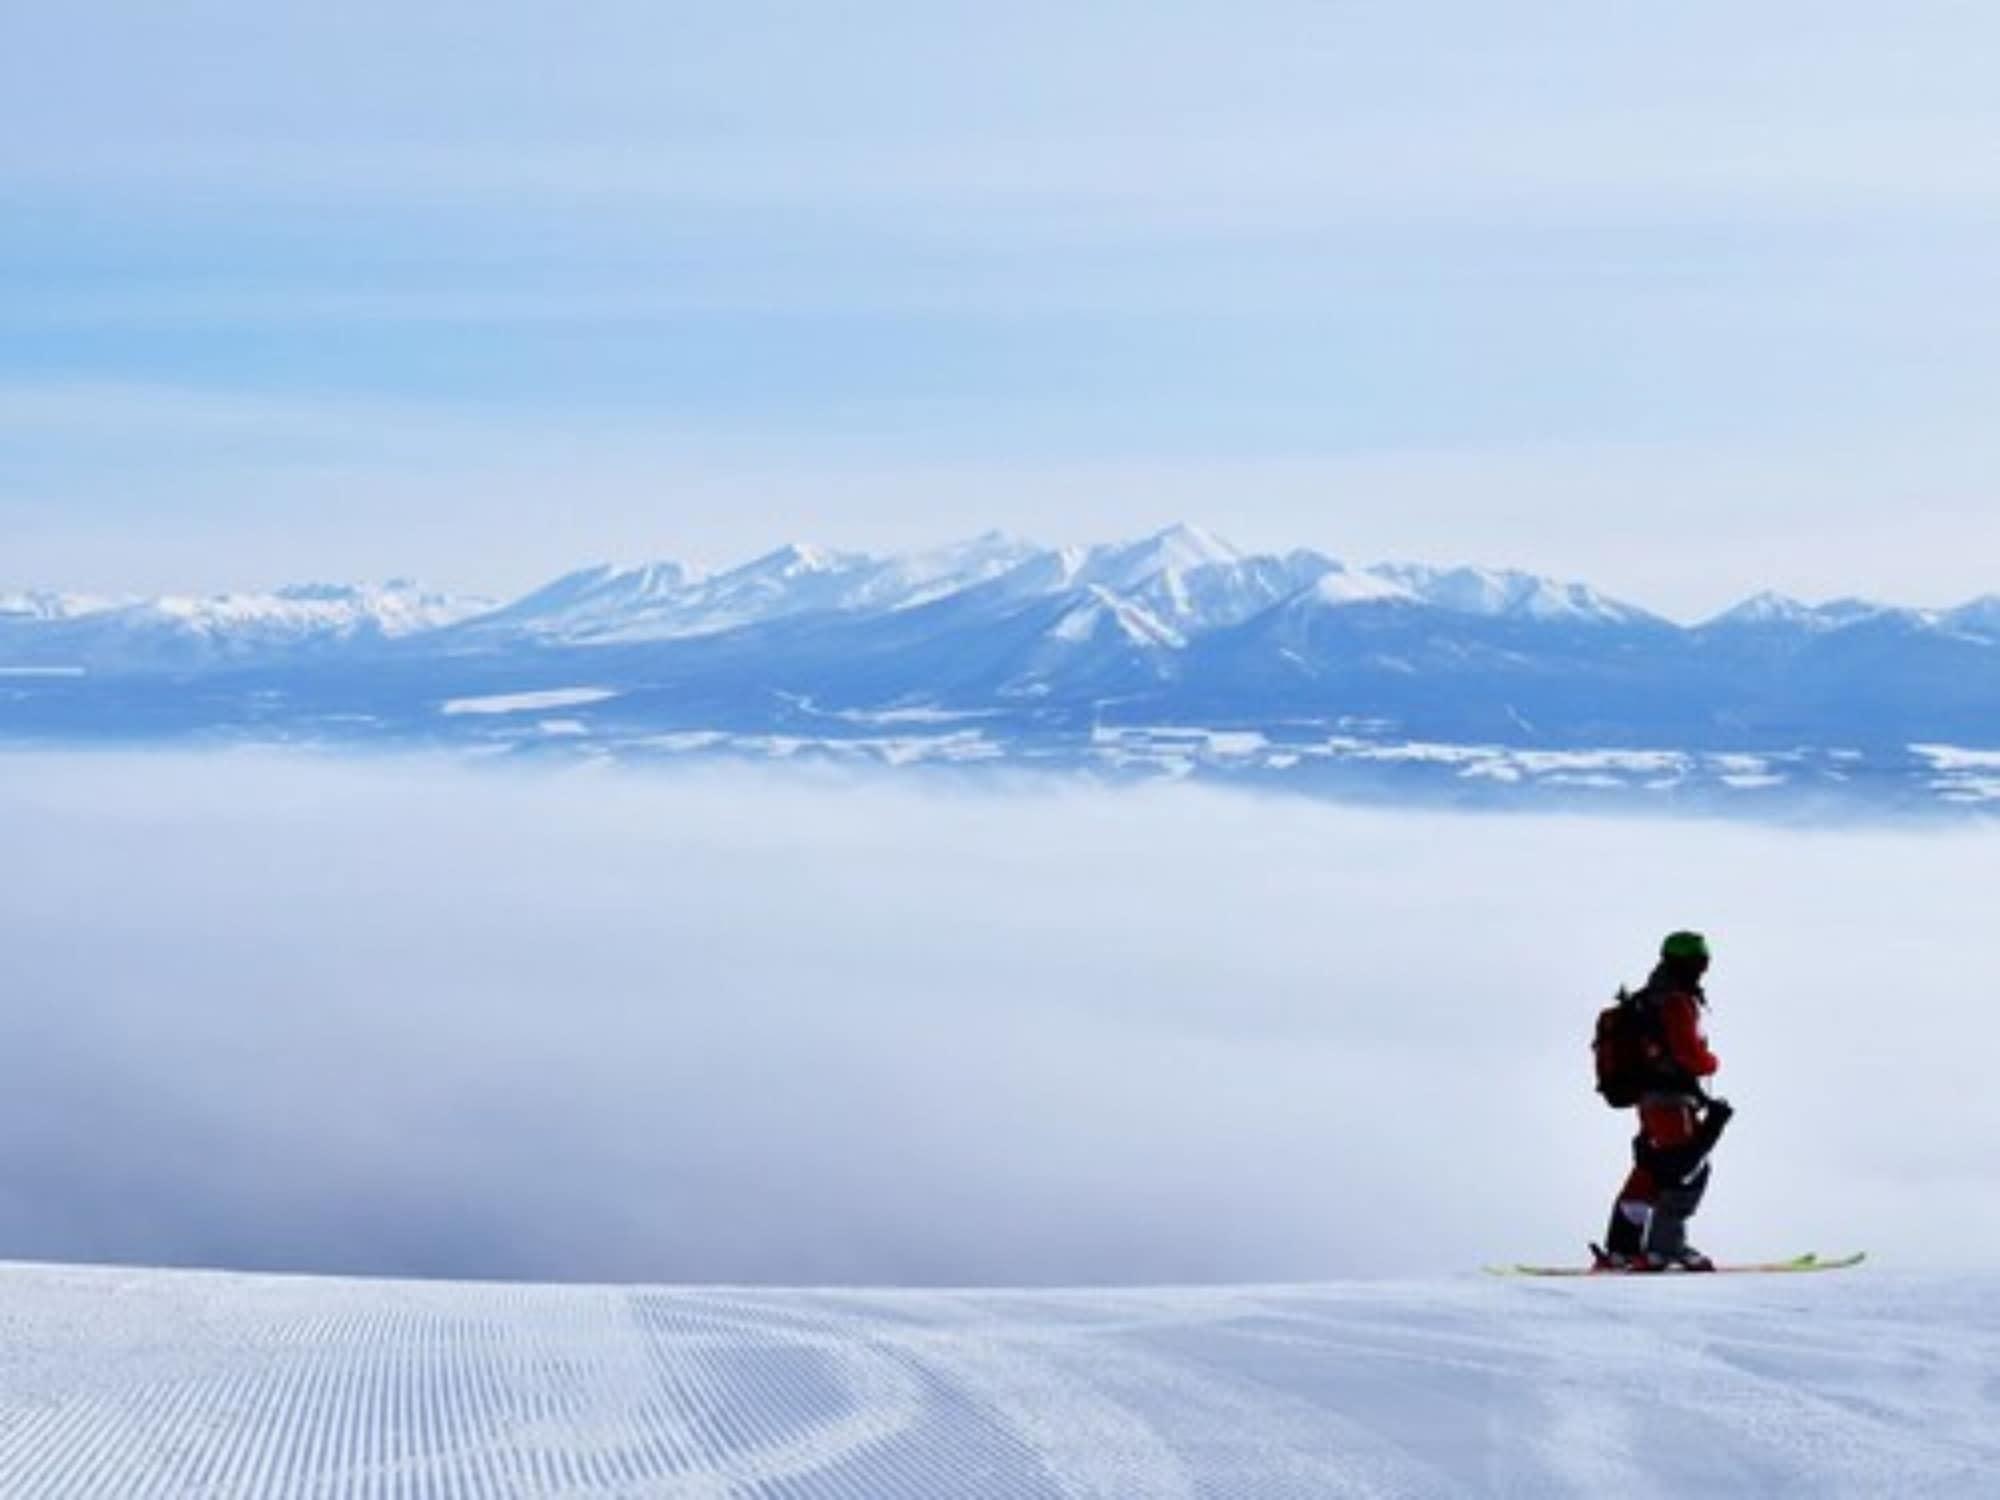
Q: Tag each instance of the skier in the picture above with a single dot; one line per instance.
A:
(1678, 1123)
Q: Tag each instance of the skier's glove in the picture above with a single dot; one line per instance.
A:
(1720, 1112)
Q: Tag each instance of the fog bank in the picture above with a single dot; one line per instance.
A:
(406, 1017)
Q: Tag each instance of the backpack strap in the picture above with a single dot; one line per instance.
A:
(1646, 1002)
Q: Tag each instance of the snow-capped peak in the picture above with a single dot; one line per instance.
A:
(1183, 547)
(332, 593)
(1342, 586)
(35, 605)
(1177, 550)
(1767, 608)
(579, 604)
(187, 630)
(795, 559)
(1773, 609)
(919, 577)
(651, 580)
(1508, 594)
(668, 602)
(303, 610)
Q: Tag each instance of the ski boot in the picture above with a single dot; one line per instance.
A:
(1687, 1258)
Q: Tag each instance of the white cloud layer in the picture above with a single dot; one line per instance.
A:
(401, 1017)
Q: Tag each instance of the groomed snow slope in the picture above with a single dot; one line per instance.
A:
(150, 1383)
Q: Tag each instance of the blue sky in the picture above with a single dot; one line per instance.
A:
(1686, 300)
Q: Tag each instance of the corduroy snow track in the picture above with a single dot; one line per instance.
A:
(125, 1384)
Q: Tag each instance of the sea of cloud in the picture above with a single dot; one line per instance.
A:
(409, 1017)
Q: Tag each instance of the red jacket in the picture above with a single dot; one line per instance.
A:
(1687, 1042)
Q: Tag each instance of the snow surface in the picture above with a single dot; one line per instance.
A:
(135, 1383)
(1103, 613)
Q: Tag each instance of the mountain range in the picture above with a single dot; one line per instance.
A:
(1175, 653)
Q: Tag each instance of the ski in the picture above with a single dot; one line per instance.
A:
(1806, 1262)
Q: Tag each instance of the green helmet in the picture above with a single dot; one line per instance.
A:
(1685, 947)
